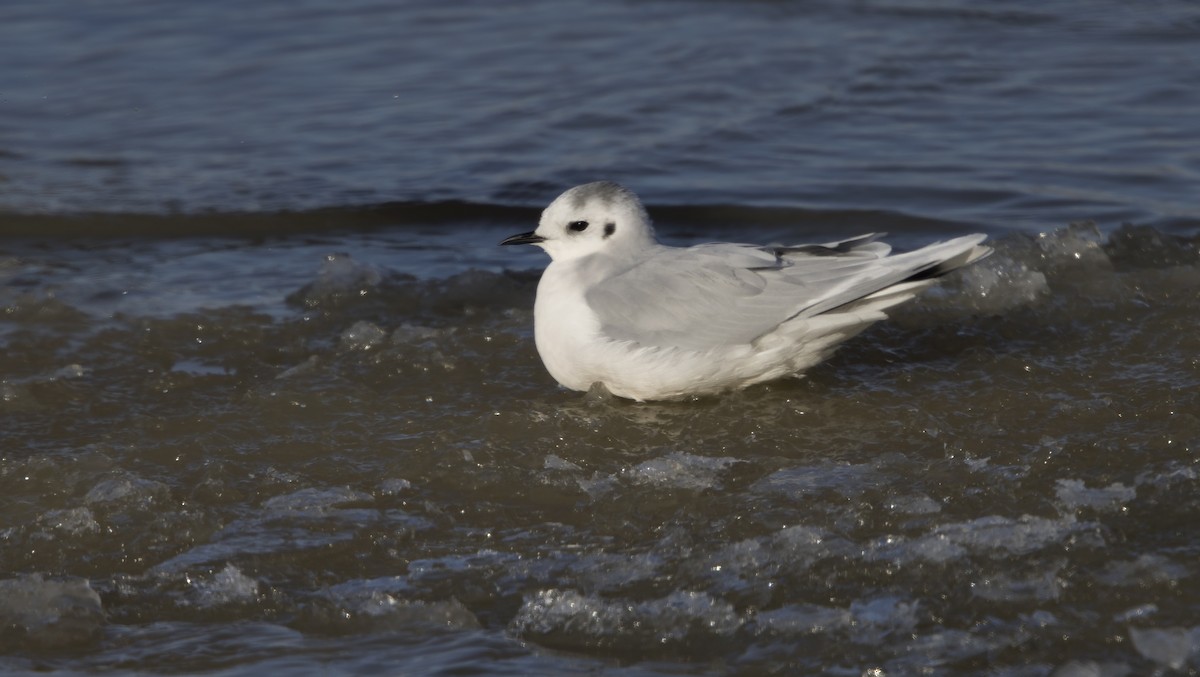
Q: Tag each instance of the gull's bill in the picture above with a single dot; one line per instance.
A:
(524, 238)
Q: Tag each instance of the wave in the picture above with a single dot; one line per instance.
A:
(690, 218)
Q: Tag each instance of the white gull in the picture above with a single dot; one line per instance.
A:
(652, 322)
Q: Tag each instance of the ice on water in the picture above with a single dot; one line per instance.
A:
(46, 613)
(227, 586)
(680, 470)
(956, 506)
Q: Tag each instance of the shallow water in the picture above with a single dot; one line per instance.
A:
(269, 399)
(372, 469)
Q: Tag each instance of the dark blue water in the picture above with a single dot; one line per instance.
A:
(269, 400)
(1023, 115)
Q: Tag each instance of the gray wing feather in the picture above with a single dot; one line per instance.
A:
(713, 295)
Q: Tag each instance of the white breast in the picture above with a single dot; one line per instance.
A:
(565, 329)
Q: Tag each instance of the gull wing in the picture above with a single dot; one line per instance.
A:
(714, 295)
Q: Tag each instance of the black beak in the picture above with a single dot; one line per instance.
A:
(525, 238)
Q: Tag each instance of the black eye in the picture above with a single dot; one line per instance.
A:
(578, 226)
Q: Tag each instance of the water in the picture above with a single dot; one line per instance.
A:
(270, 402)
(1029, 115)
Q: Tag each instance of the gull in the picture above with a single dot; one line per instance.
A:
(649, 321)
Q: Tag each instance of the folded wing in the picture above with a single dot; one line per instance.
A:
(714, 295)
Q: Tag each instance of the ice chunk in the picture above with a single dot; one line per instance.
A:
(1020, 536)
(15, 394)
(1073, 495)
(393, 486)
(999, 284)
(1145, 570)
(685, 608)
(385, 585)
(413, 333)
(71, 371)
(587, 618)
(315, 501)
(554, 462)
(127, 490)
(1165, 646)
(1078, 243)
(802, 620)
(849, 480)
(307, 366)
(680, 471)
(51, 613)
(597, 485)
(228, 586)
(954, 645)
(379, 604)
(340, 278)
(362, 335)
(1040, 588)
(1092, 669)
(606, 572)
(917, 504)
(756, 562)
(1141, 611)
(994, 536)
(70, 521)
(799, 537)
(888, 615)
(428, 572)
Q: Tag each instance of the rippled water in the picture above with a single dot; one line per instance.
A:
(372, 468)
(1021, 115)
(269, 399)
